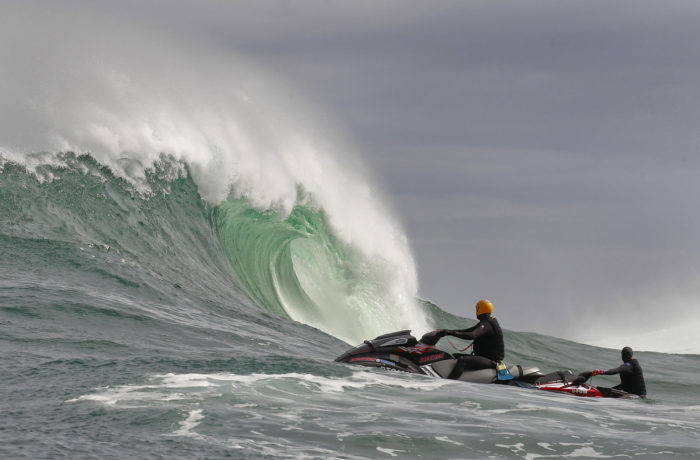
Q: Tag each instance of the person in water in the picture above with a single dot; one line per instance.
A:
(631, 377)
(488, 348)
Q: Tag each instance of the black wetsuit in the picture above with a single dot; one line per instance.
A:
(631, 380)
(488, 347)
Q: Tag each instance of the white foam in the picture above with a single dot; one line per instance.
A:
(545, 445)
(284, 449)
(448, 440)
(314, 383)
(191, 386)
(392, 452)
(515, 448)
(194, 418)
(133, 395)
(588, 452)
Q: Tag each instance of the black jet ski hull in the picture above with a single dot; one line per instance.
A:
(402, 352)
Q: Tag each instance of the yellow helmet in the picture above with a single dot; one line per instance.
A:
(483, 306)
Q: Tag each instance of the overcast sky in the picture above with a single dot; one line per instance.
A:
(542, 154)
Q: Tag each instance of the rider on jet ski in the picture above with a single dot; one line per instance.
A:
(631, 377)
(488, 347)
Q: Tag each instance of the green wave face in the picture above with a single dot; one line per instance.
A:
(159, 233)
(294, 266)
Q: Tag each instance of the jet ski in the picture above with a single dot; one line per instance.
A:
(400, 351)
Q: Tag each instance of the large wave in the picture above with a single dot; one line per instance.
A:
(296, 266)
(303, 225)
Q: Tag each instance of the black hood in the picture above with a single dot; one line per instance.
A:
(626, 354)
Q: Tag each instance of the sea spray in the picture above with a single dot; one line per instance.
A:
(244, 138)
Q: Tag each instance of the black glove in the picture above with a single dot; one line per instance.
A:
(432, 337)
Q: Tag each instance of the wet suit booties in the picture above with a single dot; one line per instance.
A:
(488, 347)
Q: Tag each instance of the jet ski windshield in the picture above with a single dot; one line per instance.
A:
(395, 339)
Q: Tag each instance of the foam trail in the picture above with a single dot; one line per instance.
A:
(194, 418)
(129, 98)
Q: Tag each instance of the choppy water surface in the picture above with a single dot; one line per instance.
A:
(140, 325)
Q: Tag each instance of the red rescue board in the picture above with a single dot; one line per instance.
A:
(584, 389)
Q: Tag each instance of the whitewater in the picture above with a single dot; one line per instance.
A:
(184, 250)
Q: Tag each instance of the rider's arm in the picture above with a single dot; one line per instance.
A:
(623, 369)
(472, 333)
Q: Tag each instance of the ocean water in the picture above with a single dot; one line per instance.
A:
(140, 320)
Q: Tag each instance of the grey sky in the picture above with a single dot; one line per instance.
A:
(541, 154)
